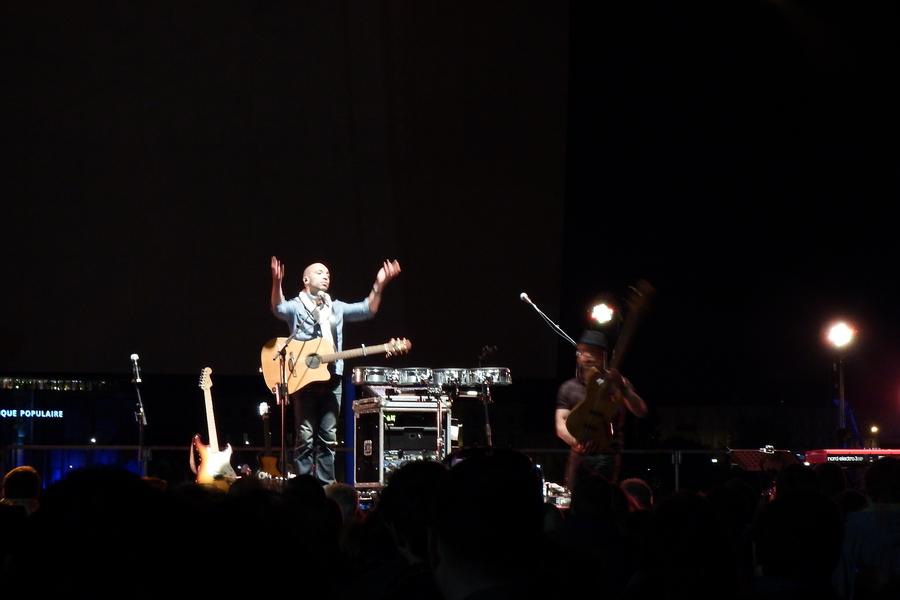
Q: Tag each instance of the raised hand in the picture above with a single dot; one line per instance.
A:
(615, 382)
(277, 271)
(387, 272)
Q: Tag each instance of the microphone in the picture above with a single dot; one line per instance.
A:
(321, 297)
(135, 369)
(524, 298)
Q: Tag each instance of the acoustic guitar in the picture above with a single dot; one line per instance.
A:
(215, 464)
(591, 421)
(306, 362)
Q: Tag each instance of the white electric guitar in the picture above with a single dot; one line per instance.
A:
(215, 464)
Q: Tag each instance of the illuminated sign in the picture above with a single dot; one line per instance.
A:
(29, 413)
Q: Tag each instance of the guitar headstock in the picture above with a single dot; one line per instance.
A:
(396, 346)
(205, 381)
(638, 301)
(641, 293)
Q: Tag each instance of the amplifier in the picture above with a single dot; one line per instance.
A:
(389, 431)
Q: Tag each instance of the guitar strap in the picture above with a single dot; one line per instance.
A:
(322, 314)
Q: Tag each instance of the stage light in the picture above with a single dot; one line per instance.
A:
(840, 335)
(602, 313)
(872, 442)
(603, 309)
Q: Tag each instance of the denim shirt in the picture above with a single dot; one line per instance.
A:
(293, 311)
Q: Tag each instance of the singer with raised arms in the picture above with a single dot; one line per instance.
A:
(314, 314)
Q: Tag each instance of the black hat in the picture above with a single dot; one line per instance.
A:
(594, 338)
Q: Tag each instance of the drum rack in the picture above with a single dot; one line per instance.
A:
(405, 414)
(424, 381)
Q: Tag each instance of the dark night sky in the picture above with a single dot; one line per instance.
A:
(745, 153)
(736, 155)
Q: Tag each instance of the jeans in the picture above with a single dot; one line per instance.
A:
(581, 465)
(316, 410)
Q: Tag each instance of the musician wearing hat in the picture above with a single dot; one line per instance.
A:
(595, 453)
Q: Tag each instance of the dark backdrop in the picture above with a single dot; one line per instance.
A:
(157, 155)
(738, 156)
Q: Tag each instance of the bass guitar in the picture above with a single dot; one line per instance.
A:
(306, 362)
(215, 464)
(591, 421)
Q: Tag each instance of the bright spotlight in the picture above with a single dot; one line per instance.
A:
(602, 313)
(840, 335)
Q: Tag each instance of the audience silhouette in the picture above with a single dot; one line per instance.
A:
(22, 487)
(486, 526)
(797, 541)
(686, 551)
(869, 566)
(473, 527)
(404, 506)
(638, 491)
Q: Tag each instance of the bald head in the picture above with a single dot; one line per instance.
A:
(316, 278)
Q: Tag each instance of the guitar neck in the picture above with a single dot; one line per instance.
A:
(211, 421)
(640, 296)
(622, 344)
(355, 353)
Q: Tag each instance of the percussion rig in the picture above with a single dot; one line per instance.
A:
(403, 414)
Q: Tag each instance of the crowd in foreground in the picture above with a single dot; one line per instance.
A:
(476, 527)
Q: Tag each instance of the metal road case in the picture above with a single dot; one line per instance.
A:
(389, 431)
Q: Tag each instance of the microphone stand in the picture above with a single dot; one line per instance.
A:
(281, 398)
(281, 394)
(281, 390)
(486, 395)
(141, 418)
(555, 327)
(486, 399)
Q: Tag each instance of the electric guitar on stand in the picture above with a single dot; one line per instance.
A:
(215, 464)
(306, 362)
